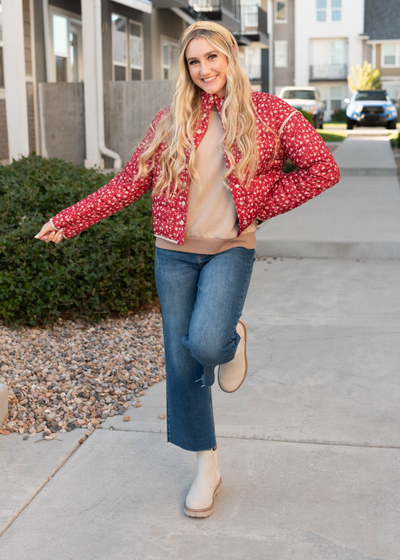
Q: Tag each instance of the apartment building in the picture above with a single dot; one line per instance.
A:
(382, 42)
(331, 42)
(97, 43)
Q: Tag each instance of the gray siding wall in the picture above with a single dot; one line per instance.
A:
(285, 32)
(129, 107)
(64, 119)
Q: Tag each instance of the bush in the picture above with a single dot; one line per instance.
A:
(288, 167)
(308, 116)
(106, 269)
(339, 116)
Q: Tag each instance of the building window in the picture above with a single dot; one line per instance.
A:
(336, 10)
(67, 47)
(332, 97)
(1, 51)
(280, 54)
(321, 10)
(280, 11)
(393, 89)
(334, 7)
(253, 66)
(336, 98)
(135, 50)
(127, 45)
(170, 56)
(390, 54)
(328, 59)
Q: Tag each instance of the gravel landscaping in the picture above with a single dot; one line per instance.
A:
(76, 374)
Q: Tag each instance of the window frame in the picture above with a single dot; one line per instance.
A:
(75, 19)
(128, 66)
(334, 9)
(317, 10)
(135, 66)
(276, 20)
(396, 55)
(166, 40)
(285, 44)
(329, 9)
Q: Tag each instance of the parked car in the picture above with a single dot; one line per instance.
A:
(371, 108)
(306, 98)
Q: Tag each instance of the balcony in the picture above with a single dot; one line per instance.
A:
(224, 12)
(170, 3)
(327, 72)
(254, 24)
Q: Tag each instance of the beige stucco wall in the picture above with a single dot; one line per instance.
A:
(393, 72)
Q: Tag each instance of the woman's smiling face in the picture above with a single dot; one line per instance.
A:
(207, 66)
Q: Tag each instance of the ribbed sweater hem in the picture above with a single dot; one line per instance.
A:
(209, 246)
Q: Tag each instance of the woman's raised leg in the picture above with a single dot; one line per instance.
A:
(222, 288)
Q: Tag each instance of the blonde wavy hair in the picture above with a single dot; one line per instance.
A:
(175, 129)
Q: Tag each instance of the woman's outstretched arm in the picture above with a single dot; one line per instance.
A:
(121, 191)
(317, 170)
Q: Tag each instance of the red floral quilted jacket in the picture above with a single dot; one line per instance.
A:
(271, 192)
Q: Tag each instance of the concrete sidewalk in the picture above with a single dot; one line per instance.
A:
(309, 447)
(357, 219)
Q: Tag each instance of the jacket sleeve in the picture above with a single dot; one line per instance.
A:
(317, 170)
(112, 197)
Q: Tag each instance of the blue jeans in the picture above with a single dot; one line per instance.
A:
(202, 298)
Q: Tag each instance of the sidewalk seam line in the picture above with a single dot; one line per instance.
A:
(25, 504)
(270, 439)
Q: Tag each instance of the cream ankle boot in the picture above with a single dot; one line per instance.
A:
(232, 374)
(206, 485)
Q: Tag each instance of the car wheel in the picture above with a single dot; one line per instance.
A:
(321, 124)
(391, 125)
(350, 124)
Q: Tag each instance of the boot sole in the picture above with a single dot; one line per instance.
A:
(205, 512)
(245, 358)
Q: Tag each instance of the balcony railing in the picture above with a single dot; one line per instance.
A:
(328, 72)
(254, 20)
(231, 6)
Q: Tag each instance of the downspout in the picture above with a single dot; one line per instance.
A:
(99, 77)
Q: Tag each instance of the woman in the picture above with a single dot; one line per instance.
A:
(214, 162)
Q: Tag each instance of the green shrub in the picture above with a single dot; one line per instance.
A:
(308, 116)
(288, 167)
(339, 116)
(106, 269)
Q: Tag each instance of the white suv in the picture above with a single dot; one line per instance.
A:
(306, 98)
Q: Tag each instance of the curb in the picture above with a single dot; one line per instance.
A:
(328, 249)
(3, 402)
(370, 171)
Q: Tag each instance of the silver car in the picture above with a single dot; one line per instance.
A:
(306, 98)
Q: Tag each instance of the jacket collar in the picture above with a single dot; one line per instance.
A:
(208, 100)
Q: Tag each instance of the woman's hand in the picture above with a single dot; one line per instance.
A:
(48, 233)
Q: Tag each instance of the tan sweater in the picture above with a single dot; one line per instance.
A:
(212, 223)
